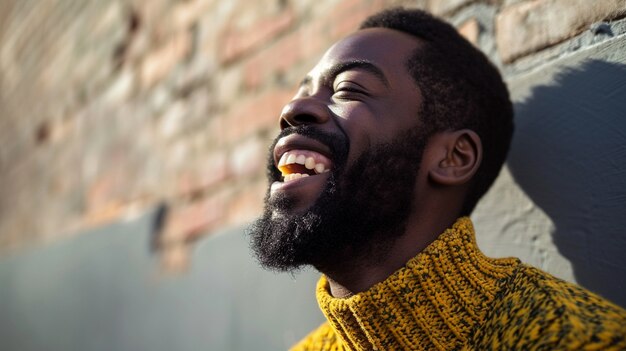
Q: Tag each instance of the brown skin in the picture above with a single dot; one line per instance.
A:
(372, 108)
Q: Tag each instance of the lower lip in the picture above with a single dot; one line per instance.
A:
(300, 182)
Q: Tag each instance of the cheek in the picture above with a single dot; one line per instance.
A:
(408, 115)
(345, 111)
(354, 120)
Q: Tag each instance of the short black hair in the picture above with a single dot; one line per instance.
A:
(461, 89)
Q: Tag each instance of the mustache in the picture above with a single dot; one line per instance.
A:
(338, 144)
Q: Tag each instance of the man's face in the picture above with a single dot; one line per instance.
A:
(343, 169)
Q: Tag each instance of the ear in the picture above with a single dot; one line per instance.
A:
(458, 156)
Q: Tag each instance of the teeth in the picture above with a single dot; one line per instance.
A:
(294, 157)
(283, 160)
(300, 159)
(319, 168)
(294, 176)
(309, 163)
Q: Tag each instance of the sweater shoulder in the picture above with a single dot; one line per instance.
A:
(321, 339)
(536, 310)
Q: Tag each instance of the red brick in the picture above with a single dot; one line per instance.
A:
(150, 12)
(160, 62)
(248, 157)
(442, 7)
(231, 84)
(255, 114)
(345, 7)
(470, 30)
(530, 26)
(312, 38)
(173, 119)
(286, 53)
(253, 73)
(206, 172)
(280, 57)
(263, 66)
(347, 20)
(347, 17)
(186, 14)
(104, 198)
(186, 222)
(238, 41)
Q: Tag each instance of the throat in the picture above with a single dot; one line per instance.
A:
(345, 284)
(356, 273)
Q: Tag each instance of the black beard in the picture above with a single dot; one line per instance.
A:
(358, 215)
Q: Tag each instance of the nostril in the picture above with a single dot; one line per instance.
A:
(296, 120)
(305, 119)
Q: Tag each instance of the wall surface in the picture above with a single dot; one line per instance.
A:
(103, 291)
(561, 203)
(110, 109)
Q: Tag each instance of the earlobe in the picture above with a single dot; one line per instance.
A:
(459, 159)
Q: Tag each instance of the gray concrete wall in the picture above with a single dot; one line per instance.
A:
(561, 202)
(102, 291)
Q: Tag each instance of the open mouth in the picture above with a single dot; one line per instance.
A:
(296, 164)
(297, 157)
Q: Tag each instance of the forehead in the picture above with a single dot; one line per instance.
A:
(386, 48)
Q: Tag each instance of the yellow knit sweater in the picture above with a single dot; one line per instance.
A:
(452, 297)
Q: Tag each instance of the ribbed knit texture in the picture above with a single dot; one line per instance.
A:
(452, 297)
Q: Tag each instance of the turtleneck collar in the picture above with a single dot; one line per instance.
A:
(433, 302)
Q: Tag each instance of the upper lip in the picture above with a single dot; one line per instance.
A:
(299, 142)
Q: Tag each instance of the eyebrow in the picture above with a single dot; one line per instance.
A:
(341, 67)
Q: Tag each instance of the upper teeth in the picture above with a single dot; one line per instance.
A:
(309, 159)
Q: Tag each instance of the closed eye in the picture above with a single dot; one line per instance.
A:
(349, 91)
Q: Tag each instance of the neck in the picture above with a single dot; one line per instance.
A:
(359, 274)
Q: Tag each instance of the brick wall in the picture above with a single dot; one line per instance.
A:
(111, 107)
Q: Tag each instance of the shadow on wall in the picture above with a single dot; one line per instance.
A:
(569, 156)
(101, 291)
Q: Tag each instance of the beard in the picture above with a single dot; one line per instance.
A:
(358, 215)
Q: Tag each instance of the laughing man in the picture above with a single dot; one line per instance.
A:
(385, 150)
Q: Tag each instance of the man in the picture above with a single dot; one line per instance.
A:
(385, 149)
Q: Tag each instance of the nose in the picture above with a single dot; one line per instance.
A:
(304, 110)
